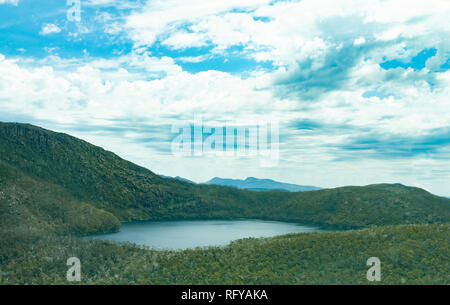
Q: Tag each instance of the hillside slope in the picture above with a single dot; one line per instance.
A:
(409, 255)
(28, 204)
(372, 205)
(91, 175)
(88, 172)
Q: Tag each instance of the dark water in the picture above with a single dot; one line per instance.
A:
(200, 233)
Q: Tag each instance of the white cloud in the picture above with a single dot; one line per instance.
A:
(183, 39)
(332, 48)
(13, 2)
(359, 41)
(113, 28)
(140, 61)
(160, 16)
(290, 27)
(102, 92)
(120, 4)
(99, 2)
(49, 28)
(117, 89)
(194, 59)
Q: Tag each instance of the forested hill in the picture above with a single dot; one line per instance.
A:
(88, 172)
(95, 184)
(31, 205)
(93, 175)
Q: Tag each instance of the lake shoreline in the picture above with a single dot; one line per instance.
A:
(193, 233)
(284, 220)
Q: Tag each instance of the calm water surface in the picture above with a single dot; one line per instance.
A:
(199, 233)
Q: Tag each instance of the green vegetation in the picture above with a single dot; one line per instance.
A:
(31, 205)
(54, 187)
(409, 255)
(374, 205)
(77, 171)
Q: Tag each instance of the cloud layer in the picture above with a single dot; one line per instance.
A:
(360, 88)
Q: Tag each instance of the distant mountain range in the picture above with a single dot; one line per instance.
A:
(256, 184)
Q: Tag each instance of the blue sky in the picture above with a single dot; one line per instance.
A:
(359, 88)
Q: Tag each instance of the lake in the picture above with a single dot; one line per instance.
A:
(185, 234)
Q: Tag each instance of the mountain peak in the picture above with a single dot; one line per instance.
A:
(256, 184)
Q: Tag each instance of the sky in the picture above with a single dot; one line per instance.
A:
(359, 89)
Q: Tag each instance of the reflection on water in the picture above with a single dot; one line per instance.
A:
(200, 233)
